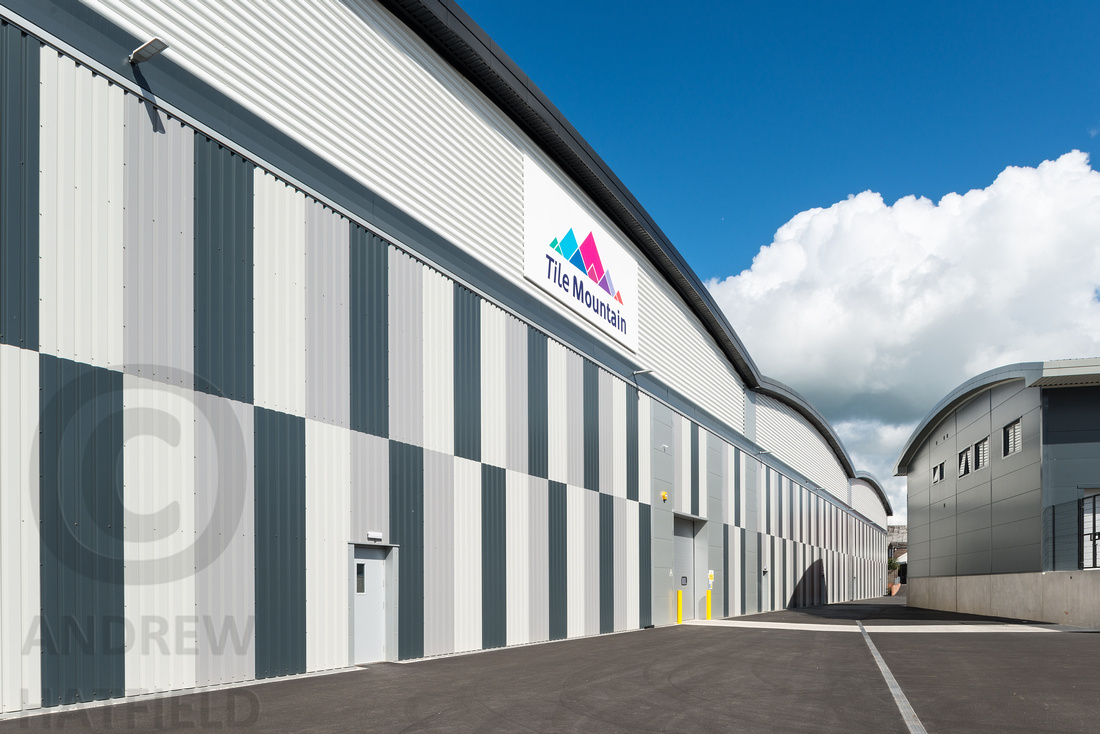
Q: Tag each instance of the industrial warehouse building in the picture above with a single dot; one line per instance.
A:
(1004, 495)
(327, 340)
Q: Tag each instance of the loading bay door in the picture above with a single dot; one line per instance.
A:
(683, 565)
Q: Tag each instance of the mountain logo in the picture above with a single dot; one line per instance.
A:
(586, 258)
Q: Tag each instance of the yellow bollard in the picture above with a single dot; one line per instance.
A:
(679, 606)
(708, 603)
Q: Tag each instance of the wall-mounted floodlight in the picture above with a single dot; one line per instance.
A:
(147, 50)
(635, 373)
(762, 452)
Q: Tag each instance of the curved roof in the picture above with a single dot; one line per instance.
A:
(1055, 373)
(470, 50)
(877, 486)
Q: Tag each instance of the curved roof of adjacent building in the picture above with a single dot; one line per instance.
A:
(1056, 373)
(470, 50)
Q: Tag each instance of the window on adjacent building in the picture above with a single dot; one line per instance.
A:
(1012, 437)
(981, 454)
(964, 462)
(937, 472)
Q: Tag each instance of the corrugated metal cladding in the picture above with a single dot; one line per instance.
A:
(559, 571)
(19, 169)
(494, 557)
(538, 427)
(645, 563)
(785, 433)
(607, 563)
(591, 426)
(726, 570)
(695, 469)
(280, 507)
(81, 510)
(20, 675)
(632, 443)
(223, 271)
(467, 372)
(369, 327)
(406, 483)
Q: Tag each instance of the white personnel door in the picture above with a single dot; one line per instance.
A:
(369, 623)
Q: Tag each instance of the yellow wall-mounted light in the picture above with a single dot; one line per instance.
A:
(664, 496)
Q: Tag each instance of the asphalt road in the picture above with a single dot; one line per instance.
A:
(793, 671)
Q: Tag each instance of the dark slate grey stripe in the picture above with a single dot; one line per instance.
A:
(694, 469)
(773, 569)
(19, 168)
(467, 373)
(759, 575)
(280, 507)
(741, 541)
(632, 443)
(725, 570)
(607, 563)
(592, 426)
(645, 567)
(223, 271)
(407, 532)
(559, 542)
(767, 499)
(81, 525)
(370, 365)
(737, 488)
(494, 555)
(779, 488)
(538, 417)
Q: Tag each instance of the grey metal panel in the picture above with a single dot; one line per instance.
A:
(632, 447)
(223, 271)
(467, 373)
(280, 507)
(370, 487)
(328, 316)
(645, 566)
(715, 478)
(607, 563)
(725, 570)
(225, 551)
(406, 316)
(738, 512)
(694, 459)
(19, 171)
(591, 426)
(517, 401)
(973, 541)
(406, 486)
(538, 426)
(591, 562)
(1019, 507)
(605, 433)
(81, 519)
(439, 549)
(158, 246)
(538, 533)
(1018, 559)
(557, 514)
(494, 556)
(368, 287)
(574, 382)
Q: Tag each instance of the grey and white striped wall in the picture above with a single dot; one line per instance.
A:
(241, 334)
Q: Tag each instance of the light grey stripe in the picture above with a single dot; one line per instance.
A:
(907, 712)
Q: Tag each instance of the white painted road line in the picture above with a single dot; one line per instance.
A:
(885, 628)
(907, 713)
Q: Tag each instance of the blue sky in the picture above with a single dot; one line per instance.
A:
(727, 119)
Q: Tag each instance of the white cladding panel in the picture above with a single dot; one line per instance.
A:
(81, 204)
(674, 343)
(357, 87)
(20, 667)
(866, 502)
(467, 555)
(791, 438)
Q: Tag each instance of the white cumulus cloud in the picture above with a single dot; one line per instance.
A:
(876, 311)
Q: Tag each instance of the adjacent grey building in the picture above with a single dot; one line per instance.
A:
(1003, 486)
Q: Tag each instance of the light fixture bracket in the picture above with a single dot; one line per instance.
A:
(147, 50)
